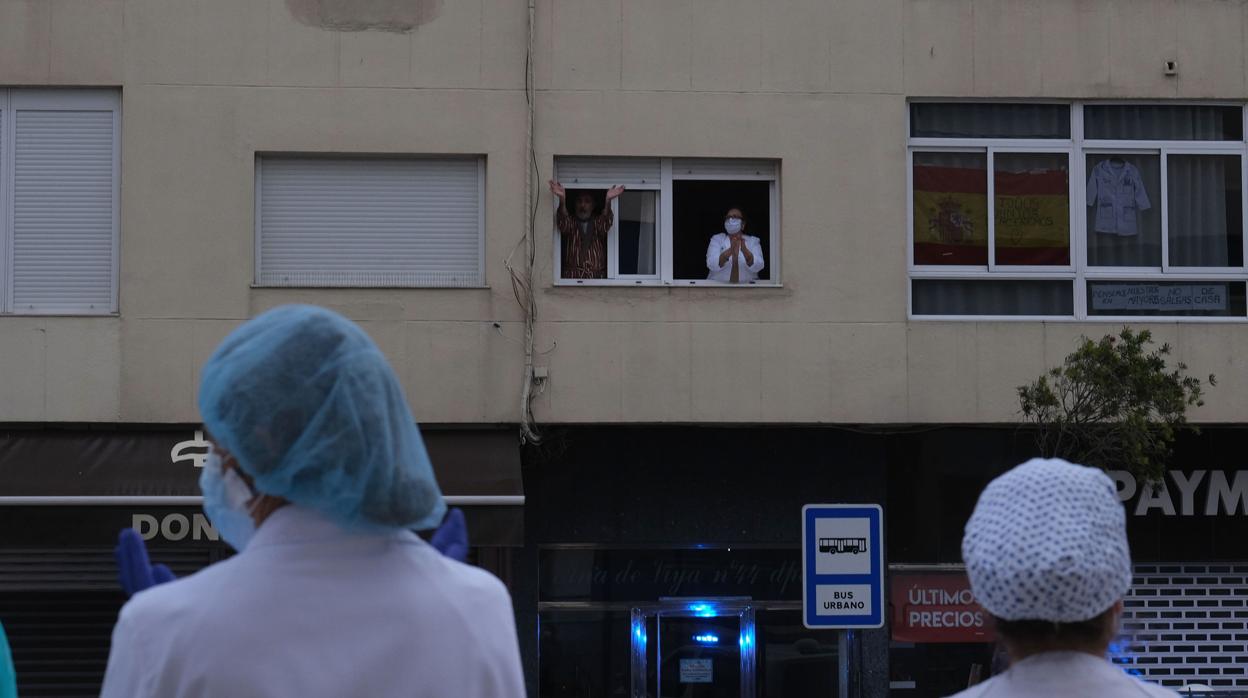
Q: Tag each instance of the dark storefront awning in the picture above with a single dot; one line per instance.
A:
(477, 468)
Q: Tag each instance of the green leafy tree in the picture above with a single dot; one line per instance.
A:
(1112, 404)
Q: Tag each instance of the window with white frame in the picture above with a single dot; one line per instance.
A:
(58, 201)
(668, 225)
(1085, 210)
(370, 221)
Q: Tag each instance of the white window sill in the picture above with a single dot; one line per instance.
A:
(265, 287)
(63, 313)
(655, 283)
(1094, 319)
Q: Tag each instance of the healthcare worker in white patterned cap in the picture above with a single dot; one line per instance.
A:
(317, 475)
(1046, 552)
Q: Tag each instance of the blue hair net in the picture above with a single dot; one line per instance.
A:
(308, 406)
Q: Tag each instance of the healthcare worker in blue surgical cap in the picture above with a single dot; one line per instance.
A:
(317, 472)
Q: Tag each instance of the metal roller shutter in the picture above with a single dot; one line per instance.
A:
(59, 605)
(632, 172)
(369, 221)
(59, 202)
(1187, 623)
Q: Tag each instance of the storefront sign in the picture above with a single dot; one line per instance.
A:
(1145, 296)
(96, 527)
(1194, 493)
(174, 527)
(936, 607)
(842, 566)
(624, 574)
(84, 467)
(165, 463)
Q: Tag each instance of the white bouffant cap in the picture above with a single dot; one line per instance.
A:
(1048, 541)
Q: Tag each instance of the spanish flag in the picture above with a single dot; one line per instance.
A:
(950, 215)
(1031, 212)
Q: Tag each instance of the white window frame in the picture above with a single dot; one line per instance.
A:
(11, 100)
(260, 156)
(664, 276)
(613, 240)
(1079, 272)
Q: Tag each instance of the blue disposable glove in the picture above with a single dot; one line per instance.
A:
(134, 570)
(451, 538)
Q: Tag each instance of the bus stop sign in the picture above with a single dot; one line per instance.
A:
(842, 566)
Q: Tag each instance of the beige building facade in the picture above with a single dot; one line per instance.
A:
(819, 88)
(180, 151)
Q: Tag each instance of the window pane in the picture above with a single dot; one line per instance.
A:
(698, 208)
(951, 208)
(1205, 211)
(584, 653)
(1124, 212)
(981, 120)
(1195, 298)
(718, 664)
(992, 297)
(1163, 122)
(794, 661)
(1031, 199)
(637, 225)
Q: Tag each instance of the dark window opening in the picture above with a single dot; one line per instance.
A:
(698, 208)
(1163, 122)
(986, 120)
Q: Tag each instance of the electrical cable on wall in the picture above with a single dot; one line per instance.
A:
(522, 280)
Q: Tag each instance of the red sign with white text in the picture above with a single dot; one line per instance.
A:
(937, 607)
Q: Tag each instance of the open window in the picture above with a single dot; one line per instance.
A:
(661, 229)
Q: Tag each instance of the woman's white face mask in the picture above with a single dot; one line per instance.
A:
(732, 226)
(227, 502)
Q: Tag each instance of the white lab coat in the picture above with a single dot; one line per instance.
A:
(745, 272)
(310, 610)
(1118, 193)
(1068, 674)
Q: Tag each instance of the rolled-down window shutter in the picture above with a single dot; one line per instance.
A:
(64, 209)
(59, 606)
(6, 269)
(370, 222)
(724, 167)
(631, 172)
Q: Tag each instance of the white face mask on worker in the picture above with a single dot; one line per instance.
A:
(732, 226)
(227, 502)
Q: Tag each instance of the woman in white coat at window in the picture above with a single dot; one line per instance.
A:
(317, 475)
(732, 255)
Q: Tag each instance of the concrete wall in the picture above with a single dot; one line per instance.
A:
(820, 85)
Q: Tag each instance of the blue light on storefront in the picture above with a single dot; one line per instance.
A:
(702, 610)
(639, 633)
